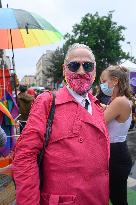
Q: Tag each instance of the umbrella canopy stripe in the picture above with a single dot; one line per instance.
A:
(43, 23)
(5, 42)
(7, 19)
(39, 37)
(23, 40)
(26, 29)
(18, 18)
(25, 18)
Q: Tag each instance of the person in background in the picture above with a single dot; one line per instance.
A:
(75, 162)
(3, 140)
(133, 122)
(118, 115)
(3, 137)
(24, 102)
(95, 90)
(32, 92)
(47, 88)
(102, 97)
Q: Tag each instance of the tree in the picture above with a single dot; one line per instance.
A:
(101, 34)
(54, 70)
(0, 4)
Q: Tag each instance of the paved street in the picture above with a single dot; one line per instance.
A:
(132, 143)
(132, 149)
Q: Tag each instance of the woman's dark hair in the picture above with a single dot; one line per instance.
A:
(122, 74)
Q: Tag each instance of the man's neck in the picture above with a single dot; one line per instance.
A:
(83, 95)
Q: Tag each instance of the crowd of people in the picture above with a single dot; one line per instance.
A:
(86, 160)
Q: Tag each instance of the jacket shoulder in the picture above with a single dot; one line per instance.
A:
(45, 96)
(43, 99)
(94, 99)
(25, 97)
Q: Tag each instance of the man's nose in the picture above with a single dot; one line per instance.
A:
(81, 70)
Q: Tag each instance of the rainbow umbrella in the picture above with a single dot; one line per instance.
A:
(23, 29)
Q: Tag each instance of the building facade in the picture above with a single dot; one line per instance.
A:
(4, 60)
(42, 67)
(29, 80)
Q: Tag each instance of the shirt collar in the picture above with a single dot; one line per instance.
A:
(79, 98)
(64, 96)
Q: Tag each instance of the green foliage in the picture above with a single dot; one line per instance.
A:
(102, 35)
(55, 69)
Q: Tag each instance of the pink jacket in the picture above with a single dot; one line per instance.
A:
(75, 164)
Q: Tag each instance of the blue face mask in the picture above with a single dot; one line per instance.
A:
(106, 90)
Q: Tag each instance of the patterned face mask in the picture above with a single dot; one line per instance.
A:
(81, 84)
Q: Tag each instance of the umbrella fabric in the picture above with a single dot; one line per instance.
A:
(8, 110)
(5, 111)
(27, 29)
(11, 104)
(7, 123)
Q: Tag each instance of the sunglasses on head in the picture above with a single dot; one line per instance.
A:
(74, 66)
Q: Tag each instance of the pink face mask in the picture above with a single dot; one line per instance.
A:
(81, 84)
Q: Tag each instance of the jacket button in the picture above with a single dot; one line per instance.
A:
(81, 140)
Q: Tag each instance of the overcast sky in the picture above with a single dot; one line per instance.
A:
(63, 15)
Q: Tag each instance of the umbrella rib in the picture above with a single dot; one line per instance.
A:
(37, 39)
(38, 28)
(41, 28)
(34, 25)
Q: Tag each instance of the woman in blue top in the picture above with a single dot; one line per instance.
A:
(118, 115)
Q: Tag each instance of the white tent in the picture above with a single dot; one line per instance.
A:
(129, 65)
(132, 75)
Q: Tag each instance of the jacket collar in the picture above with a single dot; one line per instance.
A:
(64, 96)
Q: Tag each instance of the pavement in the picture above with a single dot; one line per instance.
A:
(132, 183)
(132, 149)
(132, 177)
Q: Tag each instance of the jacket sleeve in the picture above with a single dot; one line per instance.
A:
(25, 168)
